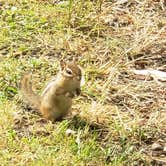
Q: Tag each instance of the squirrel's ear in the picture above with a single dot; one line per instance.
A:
(62, 64)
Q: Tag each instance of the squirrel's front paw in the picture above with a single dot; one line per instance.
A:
(69, 94)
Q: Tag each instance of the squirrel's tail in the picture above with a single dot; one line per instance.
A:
(26, 88)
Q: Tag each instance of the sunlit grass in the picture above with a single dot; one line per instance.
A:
(118, 116)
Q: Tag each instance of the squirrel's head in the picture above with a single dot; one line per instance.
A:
(72, 74)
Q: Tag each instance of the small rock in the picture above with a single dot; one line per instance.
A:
(13, 8)
(157, 147)
(70, 132)
(164, 149)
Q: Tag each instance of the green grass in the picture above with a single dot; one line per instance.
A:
(118, 116)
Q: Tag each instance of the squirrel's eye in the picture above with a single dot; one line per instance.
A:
(68, 71)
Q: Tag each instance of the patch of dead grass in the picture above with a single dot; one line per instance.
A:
(122, 114)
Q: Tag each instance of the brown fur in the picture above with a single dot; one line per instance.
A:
(56, 99)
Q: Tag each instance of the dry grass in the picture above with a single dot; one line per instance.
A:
(118, 116)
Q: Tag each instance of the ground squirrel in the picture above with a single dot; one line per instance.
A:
(56, 99)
